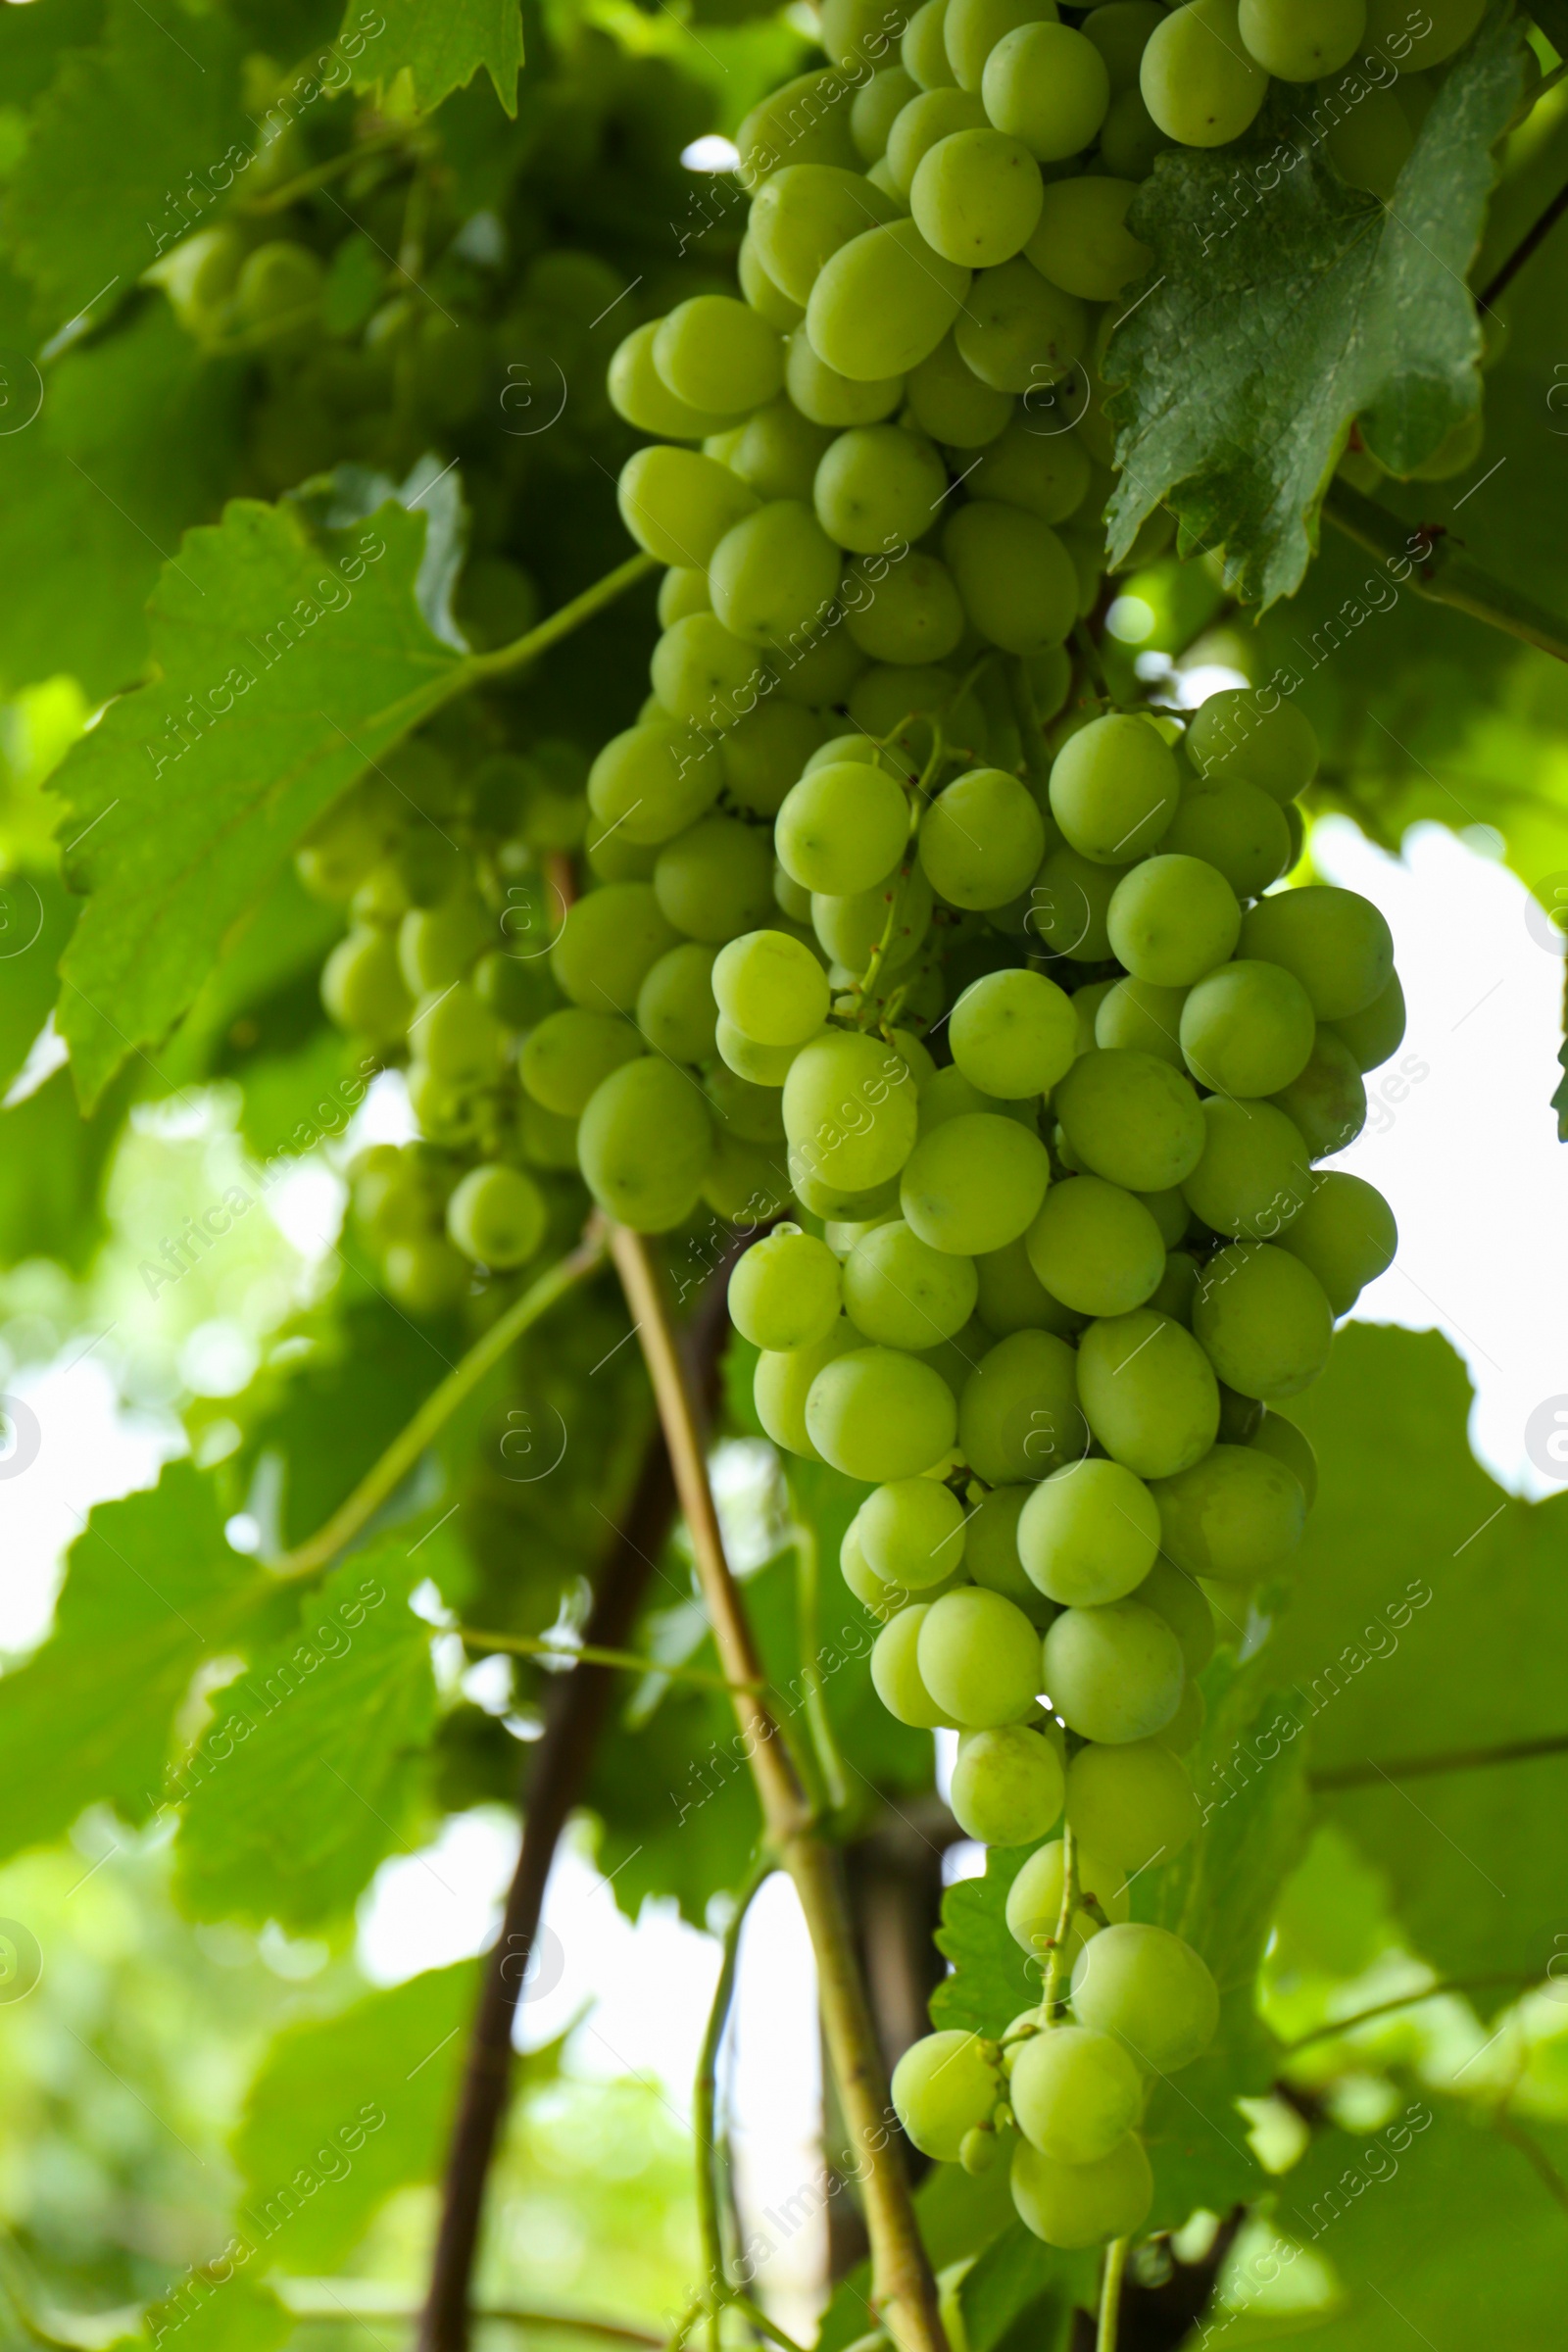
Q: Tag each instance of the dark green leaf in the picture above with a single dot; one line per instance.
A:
(441, 45)
(992, 1977)
(35, 920)
(1298, 305)
(1018, 2283)
(52, 1169)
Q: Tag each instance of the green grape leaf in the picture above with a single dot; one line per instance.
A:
(1429, 1616)
(1301, 305)
(285, 668)
(53, 1164)
(992, 1976)
(31, 39)
(134, 441)
(311, 1776)
(151, 1589)
(441, 45)
(216, 2308)
(35, 920)
(1438, 2230)
(151, 115)
(345, 2110)
(1020, 2284)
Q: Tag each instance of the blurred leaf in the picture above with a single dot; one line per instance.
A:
(151, 1588)
(1301, 305)
(1019, 2282)
(440, 44)
(311, 1776)
(37, 914)
(992, 1978)
(216, 2310)
(52, 1169)
(191, 818)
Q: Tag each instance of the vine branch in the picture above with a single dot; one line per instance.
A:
(1441, 572)
(1534, 236)
(587, 1653)
(1453, 1760)
(1111, 2276)
(705, 2108)
(901, 2282)
(1523, 1978)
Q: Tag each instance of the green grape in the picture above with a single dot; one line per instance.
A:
(896, 1672)
(1006, 1784)
(363, 987)
(1135, 1803)
(1232, 735)
(1132, 1119)
(884, 302)
(850, 1110)
(981, 841)
(1377, 1032)
(909, 613)
(822, 668)
(611, 857)
(775, 574)
(1013, 1297)
(1326, 1099)
(802, 215)
(1019, 1416)
(344, 846)
(771, 987)
(1130, 138)
(852, 927)
(1012, 1034)
(1263, 1320)
(676, 1003)
(567, 1056)
(1181, 1601)
(497, 1217)
(1151, 1990)
(947, 400)
(746, 1109)
(702, 676)
(762, 756)
(948, 1095)
(678, 504)
(904, 1294)
(644, 1144)
(1148, 1393)
(854, 32)
(1139, 1016)
(682, 592)
(1196, 78)
(608, 945)
(1301, 40)
(1113, 789)
(1370, 147)
(1073, 2205)
(713, 351)
(979, 1658)
(1045, 85)
(826, 398)
(1083, 243)
(974, 1183)
(879, 1414)
(1335, 942)
(1013, 574)
(1068, 904)
(1446, 25)
(782, 1382)
(991, 1548)
(763, 293)
(1120, 31)
(653, 780)
(878, 485)
(1088, 1535)
(1096, 1246)
(1239, 1416)
(911, 1533)
(1253, 1175)
(876, 108)
(1045, 474)
(804, 120)
(437, 945)
(746, 1183)
(922, 52)
(1113, 1672)
(1176, 1289)
(1016, 332)
(716, 880)
(1181, 1735)
(1172, 919)
(942, 2087)
(840, 829)
(784, 1291)
(778, 452)
(927, 118)
(1346, 1235)
(457, 1037)
(868, 1589)
(760, 1065)
(1237, 827)
(1170, 1213)
(1246, 1029)
(1075, 2092)
(639, 393)
(427, 1275)
(1285, 1442)
(1232, 1516)
(976, 197)
(1034, 1900)
(447, 1111)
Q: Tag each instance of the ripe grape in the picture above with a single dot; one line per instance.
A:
(954, 406)
(877, 485)
(1006, 1784)
(911, 1533)
(653, 780)
(849, 1111)
(908, 615)
(1171, 919)
(981, 843)
(1263, 1320)
(1012, 1034)
(782, 1382)
(1336, 943)
(678, 504)
(976, 197)
(1088, 1535)
(1326, 1099)
(1068, 904)
(784, 1291)
(774, 573)
(1151, 1990)
(716, 352)
(1232, 1516)
(563, 1059)
(979, 1658)
(1014, 576)
(1113, 1672)
(1345, 1233)
(1083, 243)
(1198, 80)
(801, 217)
(1144, 1018)
(1301, 40)
(1033, 1900)
(991, 1550)
(1234, 735)
(824, 397)
(896, 1671)
(1018, 1415)
(1012, 1297)
(497, 1217)
(1071, 2205)
(1045, 474)
(363, 987)
(942, 2087)
(644, 1144)
(884, 302)
(1252, 1174)
(1377, 1032)
(973, 1184)
(1247, 1028)
(1075, 2091)
(1132, 1119)
(1148, 1393)
(1285, 1442)
(1182, 1602)
(1096, 1246)
(904, 1294)
(840, 829)
(771, 987)
(1135, 1803)
(1047, 87)
(876, 108)
(878, 1413)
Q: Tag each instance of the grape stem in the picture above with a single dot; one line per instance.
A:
(384, 1479)
(824, 1746)
(1523, 1978)
(718, 2289)
(344, 2311)
(556, 626)
(1088, 653)
(1055, 1968)
(587, 1653)
(1439, 570)
(305, 184)
(902, 2286)
(1111, 2276)
(1452, 1759)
